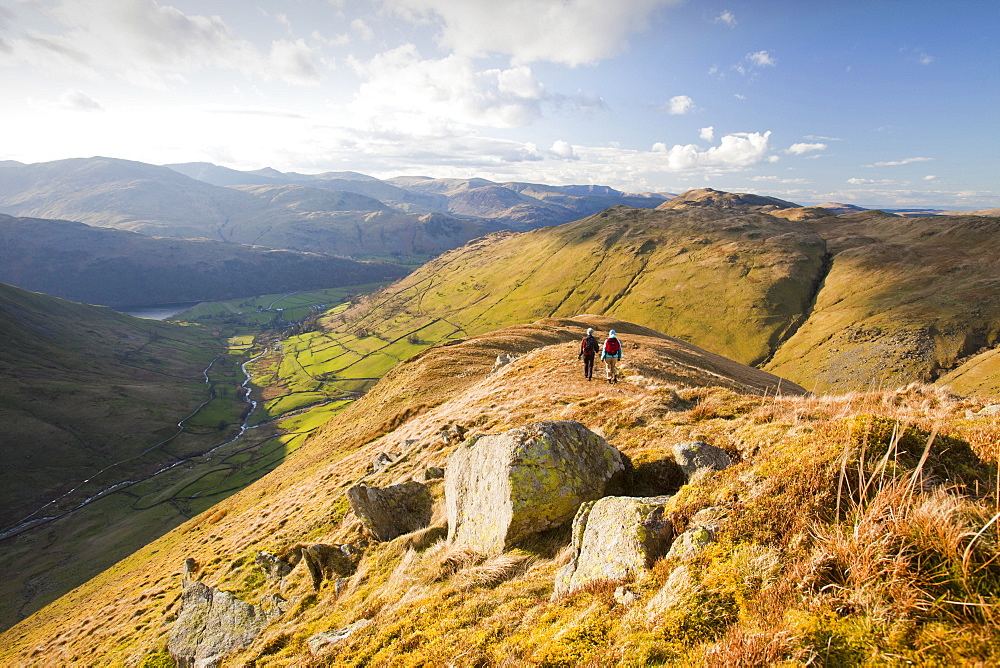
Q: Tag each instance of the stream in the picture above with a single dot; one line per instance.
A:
(32, 520)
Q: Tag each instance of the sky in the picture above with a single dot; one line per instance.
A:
(878, 103)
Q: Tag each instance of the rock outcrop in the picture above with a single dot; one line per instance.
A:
(212, 624)
(615, 538)
(695, 455)
(391, 511)
(328, 562)
(500, 488)
(323, 641)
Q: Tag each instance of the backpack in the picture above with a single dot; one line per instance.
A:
(612, 347)
(589, 345)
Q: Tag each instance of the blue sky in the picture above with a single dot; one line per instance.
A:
(891, 104)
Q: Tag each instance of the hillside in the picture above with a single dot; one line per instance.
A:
(159, 201)
(834, 303)
(792, 567)
(111, 267)
(68, 369)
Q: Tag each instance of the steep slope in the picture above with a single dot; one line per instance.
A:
(759, 587)
(95, 386)
(163, 202)
(100, 265)
(905, 299)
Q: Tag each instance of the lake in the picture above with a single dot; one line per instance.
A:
(156, 311)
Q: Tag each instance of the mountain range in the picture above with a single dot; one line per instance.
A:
(101, 265)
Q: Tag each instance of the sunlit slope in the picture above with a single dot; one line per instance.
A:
(126, 612)
(85, 387)
(906, 299)
(733, 284)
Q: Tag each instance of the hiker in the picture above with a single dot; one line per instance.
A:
(612, 354)
(588, 349)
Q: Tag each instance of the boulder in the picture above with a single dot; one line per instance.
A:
(433, 473)
(615, 538)
(702, 530)
(211, 625)
(695, 455)
(391, 511)
(500, 488)
(382, 461)
(320, 642)
(274, 568)
(326, 562)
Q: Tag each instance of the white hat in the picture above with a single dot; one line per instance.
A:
(612, 334)
(590, 331)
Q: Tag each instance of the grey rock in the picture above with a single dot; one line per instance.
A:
(503, 359)
(326, 562)
(388, 512)
(433, 473)
(699, 534)
(382, 461)
(190, 568)
(992, 409)
(274, 568)
(615, 538)
(321, 642)
(694, 455)
(212, 624)
(500, 488)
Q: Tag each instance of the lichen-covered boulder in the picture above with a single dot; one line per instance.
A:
(615, 538)
(500, 488)
(695, 455)
(388, 512)
(699, 534)
(212, 624)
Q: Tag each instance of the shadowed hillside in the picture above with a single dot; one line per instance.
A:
(99, 265)
(94, 386)
(754, 589)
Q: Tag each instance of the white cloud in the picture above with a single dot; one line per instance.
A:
(146, 43)
(925, 59)
(679, 105)
(77, 100)
(726, 17)
(896, 163)
(930, 177)
(800, 148)
(564, 150)
(754, 61)
(821, 138)
(760, 59)
(294, 62)
(869, 182)
(362, 30)
(407, 93)
(735, 151)
(572, 32)
(707, 134)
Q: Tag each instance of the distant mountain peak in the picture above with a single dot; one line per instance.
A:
(709, 197)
